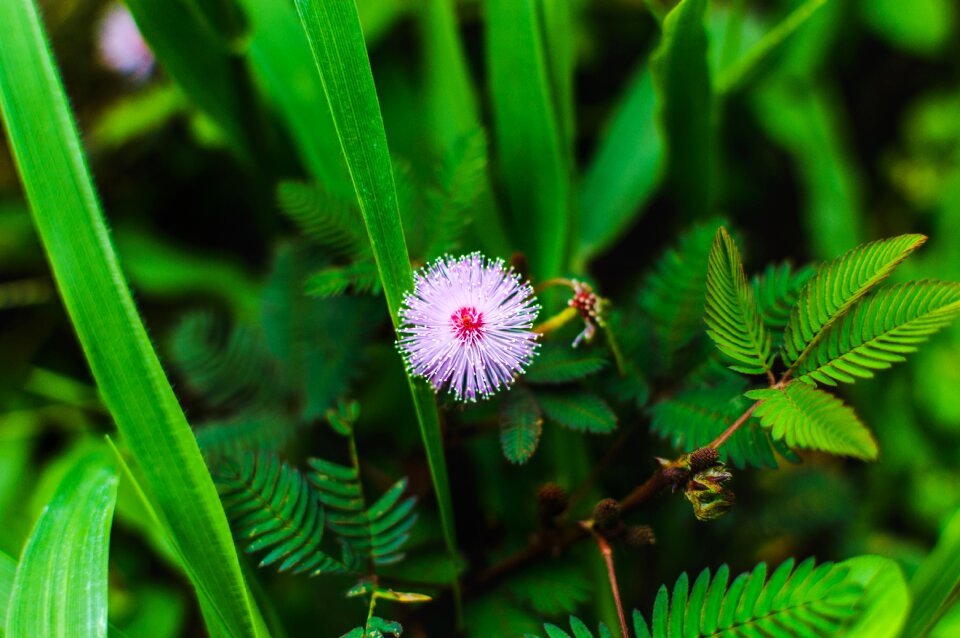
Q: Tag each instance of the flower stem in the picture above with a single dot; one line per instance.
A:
(607, 552)
(556, 321)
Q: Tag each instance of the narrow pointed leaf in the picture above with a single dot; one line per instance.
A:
(45, 143)
(336, 39)
(60, 587)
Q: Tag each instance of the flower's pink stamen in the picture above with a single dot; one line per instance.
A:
(467, 323)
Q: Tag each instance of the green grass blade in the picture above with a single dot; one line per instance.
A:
(194, 57)
(281, 60)
(685, 104)
(936, 583)
(534, 167)
(43, 138)
(333, 30)
(60, 588)
(743, 69)
(8, 569)
(451, 107)
(624, 171)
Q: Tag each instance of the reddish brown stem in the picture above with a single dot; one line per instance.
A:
(720, 440)
(607, 552)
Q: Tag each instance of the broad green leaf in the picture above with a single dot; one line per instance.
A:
(533, 162)
(921, 27)
(886, 598)
(623, 172)
(60, 588)
(836, 287)
(520, 425)
(936, 583)
(210, 76)
(336, 39)
(879, 331)
(805, 118)
(747, 66)
(580, 411)
(732, 315)
(451, 108)
(44, 140)
(685, 103)
(280, 59)
(803, 416)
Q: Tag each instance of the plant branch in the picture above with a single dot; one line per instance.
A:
(720, 440)
(607, 552)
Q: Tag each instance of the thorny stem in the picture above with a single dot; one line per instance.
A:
(607, 552)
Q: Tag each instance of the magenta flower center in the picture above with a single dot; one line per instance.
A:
(467, 323)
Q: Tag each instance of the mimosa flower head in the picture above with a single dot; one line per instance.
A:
(467, 325)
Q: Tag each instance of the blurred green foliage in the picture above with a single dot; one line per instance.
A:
(597, 140)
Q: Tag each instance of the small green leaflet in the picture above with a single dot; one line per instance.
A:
(879, 330)
(520, 425)
(806, 417)
(580, 411)
(732, 315)
(837, 286)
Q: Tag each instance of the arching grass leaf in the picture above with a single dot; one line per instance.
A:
(60, 588)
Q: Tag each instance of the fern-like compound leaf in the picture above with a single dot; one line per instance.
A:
(229, 366)
(329, 221)
(558, 363)
(693, 418)
(879, 331)
(732, 315)
(837, 286)
(672, 294)
(806, 417)
(253, 432)
(580, 411)
(809, 601)
(361, 277)
(378, 532)
(274, 509)
(460, 177)
(520, 425)
(777, 290)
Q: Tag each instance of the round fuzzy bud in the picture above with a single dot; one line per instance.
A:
(551, 501)
(640, 536)
(703, 458)
(606, 515)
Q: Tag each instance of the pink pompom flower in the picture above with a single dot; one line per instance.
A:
(467, 325)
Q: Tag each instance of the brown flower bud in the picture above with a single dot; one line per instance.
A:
(640, 536)
(703, 458)
(606, 515)
(551, 501)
